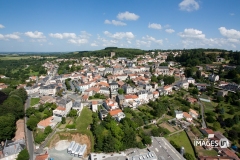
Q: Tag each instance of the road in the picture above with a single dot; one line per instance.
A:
(202, 113)
(29, 135)
(72, 86)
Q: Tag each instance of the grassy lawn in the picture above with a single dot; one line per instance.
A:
(34, 101)
(83, 124)
(181, 139)
(209, 152)
(14, 57)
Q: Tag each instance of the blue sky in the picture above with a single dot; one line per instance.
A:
(76, 25)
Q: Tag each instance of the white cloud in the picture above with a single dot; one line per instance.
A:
(78, 41)
(85, 34)
(94, 44)
(114, 22)
(155, 26)
(50, 43)
(191, 33)
(35, 34)
(127, 16)
(13, 36)
(229, 33)
(189, 5)
(129, 42)
(169, 30)
(148, 39)
(62, 35)
(2, 26)
(1, 36)
(120, 35)
(232, 14)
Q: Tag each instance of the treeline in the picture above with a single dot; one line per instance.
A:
(11, 110)
(194, 57)
(18, 70)
(119, 52)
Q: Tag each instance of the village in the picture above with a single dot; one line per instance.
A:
(116, 85)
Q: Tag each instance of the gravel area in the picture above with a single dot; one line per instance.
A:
(62, 145)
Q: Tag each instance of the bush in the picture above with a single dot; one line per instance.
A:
(210, 119)
(63, 120)
(71, 126)
(23, 155)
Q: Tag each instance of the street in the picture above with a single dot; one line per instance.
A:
(202, 113)
(29, 136)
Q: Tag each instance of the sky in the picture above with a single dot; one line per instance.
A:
(80, 25)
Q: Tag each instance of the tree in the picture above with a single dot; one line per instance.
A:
(120, 91)
(216, 126)
(236, 119)
(73, 113)
(47, 130)
(7, 126)
(32, 122)
(229, 122)
(189, 156)
(30, 111)
(63, 120)
(210, 119)
(23, 155)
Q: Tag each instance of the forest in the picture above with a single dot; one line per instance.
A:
(11, 110)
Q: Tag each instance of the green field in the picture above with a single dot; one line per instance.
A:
(83, 124)
(34, 101)
(14, 57)
(181, 139)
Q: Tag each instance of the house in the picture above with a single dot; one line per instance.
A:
(12, 148)
(94, 106)
(142, 95)
(191, 100)
(110, 104)
(47, 122)
(20, 133)
(45, 99)
(187, 116)
(213, 77)
(128, 89)
(120, 99)
(48, 89)
(155, 94)
(184, 84)
(3, 86)
(77, 105)
(193, 113)
(208, 132)
(64, 106)
(179, 114)
(117, 113)
(164, 70)
(31, 90)
(42, 157)
(103, 113)
(222, 93)
(201, 86)
(113, 86)
(168, 89)
(191, 80)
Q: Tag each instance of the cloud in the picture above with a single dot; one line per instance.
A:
(62, 35)
(13, 36)
(191, 33)
(232, 14)
(120, 35)
(94, 44)
(188, 5)
(114, 22)
(155, 26)
(35, 34)
(229, 33)
(127, 16)
(1, 36)
(78, 41)
(2, 26)
(152, 39)
(85, 34)
(169, 30)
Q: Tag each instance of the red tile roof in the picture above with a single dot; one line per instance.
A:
(115, 112)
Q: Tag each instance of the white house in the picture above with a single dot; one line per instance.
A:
(47, 122)
(142, 95)
(94, 106)
(118, 114)
(213, 77)
(184, 84)
(48, 90)
(179, 114)
(191, 80)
